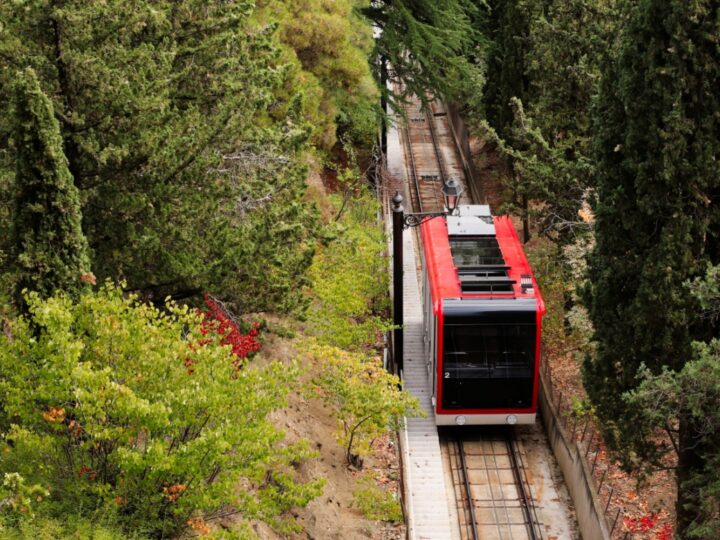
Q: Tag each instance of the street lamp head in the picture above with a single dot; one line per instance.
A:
(451, 190)
(397, 202)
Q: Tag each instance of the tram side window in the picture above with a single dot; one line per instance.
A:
(490, 346)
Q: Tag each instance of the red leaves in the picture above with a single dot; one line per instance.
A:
(218, 321)
(83, 470)
(647, 523)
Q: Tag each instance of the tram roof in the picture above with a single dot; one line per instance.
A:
(475, 255)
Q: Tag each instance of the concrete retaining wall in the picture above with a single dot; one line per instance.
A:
(569, 455)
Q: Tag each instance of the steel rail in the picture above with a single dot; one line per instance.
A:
(421, 196)
(413, 167)
(438, 154)
(510, 511)
(466, 477)
(526, 503)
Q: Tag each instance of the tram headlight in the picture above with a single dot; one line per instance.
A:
(511, 419)
(460, 420)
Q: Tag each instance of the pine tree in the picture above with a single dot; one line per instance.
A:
(427, 45)
(180, 136)
(51, 250)
(657, 147)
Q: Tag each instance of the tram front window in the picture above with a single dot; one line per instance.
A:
(488, 365)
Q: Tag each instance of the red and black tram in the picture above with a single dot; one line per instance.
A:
(483, 320)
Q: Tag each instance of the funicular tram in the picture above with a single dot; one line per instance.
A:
(482, 320)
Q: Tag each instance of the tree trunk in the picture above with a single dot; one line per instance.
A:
(690, 464)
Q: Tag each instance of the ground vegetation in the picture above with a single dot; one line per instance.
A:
(119, 413)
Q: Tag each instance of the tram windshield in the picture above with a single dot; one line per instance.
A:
(490, 350)
(489, 363)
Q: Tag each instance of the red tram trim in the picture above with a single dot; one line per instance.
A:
(445, 283)
(439, 378)
(444, 280)
(515, 258)
(439, 371)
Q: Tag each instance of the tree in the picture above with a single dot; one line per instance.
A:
(51, 252)
(688, 398)
(427, 46)
(507, 28)
(138, 417)
(544, 66)
(657, 222)
(350, 280)
(180, 139)
(329, 44)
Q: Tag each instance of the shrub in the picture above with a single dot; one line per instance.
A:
(99, 408)
(377, 503)
(350, 279)
(365, 399)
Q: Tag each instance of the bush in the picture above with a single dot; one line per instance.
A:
(55, 529)
(350, 279)
(365, 399)
(376, 503)
(98, 406)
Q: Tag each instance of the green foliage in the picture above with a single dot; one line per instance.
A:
(566, 329)
(507, 27)
(51, 252)
(349, 279)
(377, 503)
(679, 417)
(331, 44)
(543, 73)
(98, 407)
(657, 148)
(365, 398)
(188, 178)
(427, 45)
(656, 152)
(688, 400)
(44, 528)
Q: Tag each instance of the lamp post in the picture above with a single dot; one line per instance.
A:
(452, 190)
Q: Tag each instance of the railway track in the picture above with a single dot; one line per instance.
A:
(492, 493)
(491, 488)
(425, 141)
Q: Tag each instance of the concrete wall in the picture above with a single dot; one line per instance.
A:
(569, 455)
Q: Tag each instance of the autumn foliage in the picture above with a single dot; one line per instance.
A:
(101, 421)
(218, 320)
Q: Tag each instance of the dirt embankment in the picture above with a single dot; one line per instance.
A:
(331, 516)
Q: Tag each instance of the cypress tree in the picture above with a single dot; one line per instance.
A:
(51, 250)
(427, 44)
(657, 147)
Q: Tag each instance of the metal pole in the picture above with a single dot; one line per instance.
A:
(383, 104)
(398, 280)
